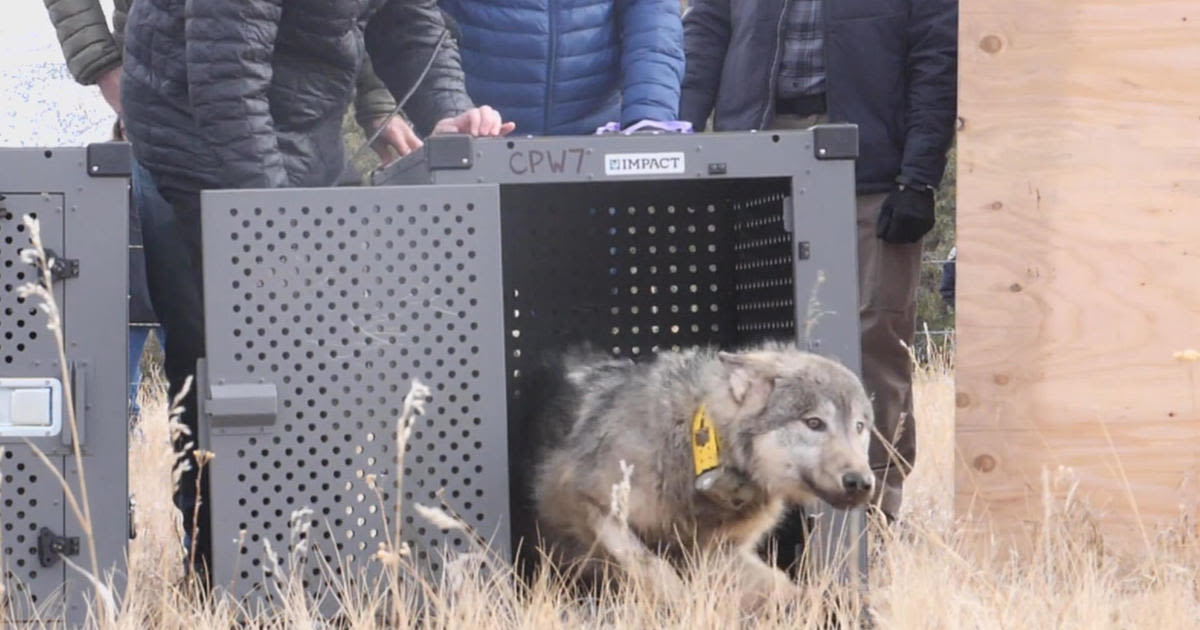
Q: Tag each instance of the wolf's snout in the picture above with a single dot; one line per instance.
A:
(855, 483)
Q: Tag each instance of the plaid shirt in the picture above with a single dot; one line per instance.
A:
(802, 68)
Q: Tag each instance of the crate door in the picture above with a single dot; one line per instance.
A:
(324, 305)
(30, 497)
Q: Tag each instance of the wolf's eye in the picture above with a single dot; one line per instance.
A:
(816, 424)
(860, 426)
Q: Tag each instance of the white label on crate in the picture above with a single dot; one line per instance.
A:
(643, 163)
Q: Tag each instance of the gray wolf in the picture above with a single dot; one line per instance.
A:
(789, 426)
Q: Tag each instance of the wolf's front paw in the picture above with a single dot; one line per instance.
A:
(658, 578)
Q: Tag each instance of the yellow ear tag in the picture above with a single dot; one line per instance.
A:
(706, 447)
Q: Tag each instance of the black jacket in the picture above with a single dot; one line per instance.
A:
(251, 93)
(891, 69)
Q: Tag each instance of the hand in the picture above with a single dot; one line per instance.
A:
(110, 88)
(906, 216)
(480, 121)
(396, 141)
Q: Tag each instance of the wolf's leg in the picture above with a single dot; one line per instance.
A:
(754, 566)
(761, 581)
(647, 568)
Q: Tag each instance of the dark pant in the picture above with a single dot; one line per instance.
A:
(141, 314)
(171, 235)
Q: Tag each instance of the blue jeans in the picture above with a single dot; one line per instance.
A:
(138, 335)
(137, 342)
(141, 314)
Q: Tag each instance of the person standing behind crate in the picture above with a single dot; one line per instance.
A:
(93, 56)
(568, 67)
(242, 94)
(889, 66)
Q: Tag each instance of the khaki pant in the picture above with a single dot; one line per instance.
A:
(887, 282)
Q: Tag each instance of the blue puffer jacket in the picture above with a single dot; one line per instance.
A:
(561, 67)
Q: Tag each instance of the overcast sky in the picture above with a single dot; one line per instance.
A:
(40, 104)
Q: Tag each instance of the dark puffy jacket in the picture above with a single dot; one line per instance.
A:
(891, 69)
(90, 49)
(557, 67)
(251, 93)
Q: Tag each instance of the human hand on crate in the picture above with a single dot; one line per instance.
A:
(397, 139)
(478, 121)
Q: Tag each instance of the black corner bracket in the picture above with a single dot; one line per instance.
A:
(109, 159)
(835, 141)
(449, 151)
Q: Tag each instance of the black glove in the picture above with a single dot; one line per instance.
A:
(906, 215)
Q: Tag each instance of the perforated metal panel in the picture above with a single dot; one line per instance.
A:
(85, 220)
(26, 345)
(799, 183)
(31, 495)
(339, 299)
(32, 499)
(764, 283)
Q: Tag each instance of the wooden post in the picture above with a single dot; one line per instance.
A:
(1079, 259)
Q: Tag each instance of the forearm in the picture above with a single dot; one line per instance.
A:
(652, 60)
(88, 45)
(706, 40)
(401, 36)
(932, 90)
(372, 98)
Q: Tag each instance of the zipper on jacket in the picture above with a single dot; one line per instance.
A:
(550, 65)
(771, 86)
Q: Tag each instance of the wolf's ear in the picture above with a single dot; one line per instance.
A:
(751, 379)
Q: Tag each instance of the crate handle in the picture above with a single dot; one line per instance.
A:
(242, 405)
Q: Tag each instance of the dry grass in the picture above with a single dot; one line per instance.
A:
(925, 572)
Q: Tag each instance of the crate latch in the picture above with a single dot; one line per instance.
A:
(242, 405)
(132, 517)
(51, 546)
(61, 268)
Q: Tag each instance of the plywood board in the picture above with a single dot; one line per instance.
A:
(1079, 257)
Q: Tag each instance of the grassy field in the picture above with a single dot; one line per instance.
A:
(925, 573)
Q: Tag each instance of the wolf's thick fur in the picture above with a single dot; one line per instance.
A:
(795, 425)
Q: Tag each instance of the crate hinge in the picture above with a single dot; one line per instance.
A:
(62, 268)
(51, 546)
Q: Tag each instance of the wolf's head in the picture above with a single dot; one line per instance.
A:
(801, 423)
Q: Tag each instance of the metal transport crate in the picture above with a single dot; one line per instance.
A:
(460, 263)
(80, 198)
